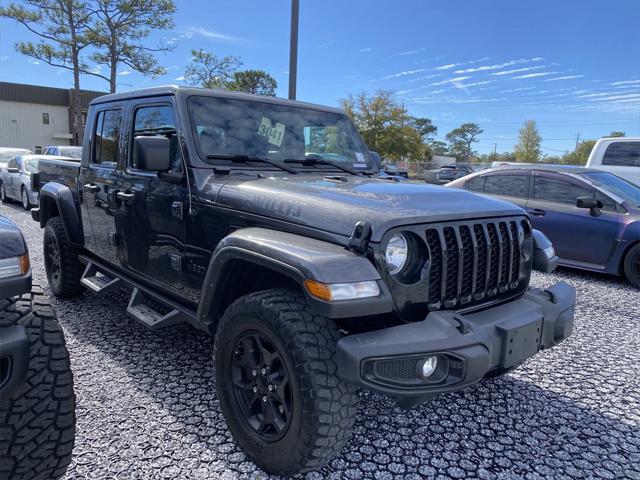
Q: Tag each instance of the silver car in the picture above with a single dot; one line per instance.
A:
(15, 179)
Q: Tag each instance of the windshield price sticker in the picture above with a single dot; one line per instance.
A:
(274, 134)
(360, 163)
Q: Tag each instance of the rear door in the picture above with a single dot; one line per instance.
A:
(623, 159)
(576, 234)
(510, 186)
(98, 181)
(151, 210)
(10, 179)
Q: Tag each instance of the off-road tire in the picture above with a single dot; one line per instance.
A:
(37, 424)
(25, 196)
(632, 265)
(66, 283)
(324, 406)
(3, 194)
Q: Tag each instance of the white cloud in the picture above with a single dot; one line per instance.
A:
(451, 80)
(180, 78)
(473, 84)
(366, 50)
(627, 98)
(534, 75)
(210, 34)
(124, 72)
(4, 58)
(411, 52)
(447, 66)
(517, 70)
(566, 77)
(626, 82)
(521, 89)
(499, 65)
(402, 74)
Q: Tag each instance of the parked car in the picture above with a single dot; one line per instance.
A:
(37, 403)
(64, 151)
(15, 180)
(618, 155)
(381, 173)
(394, 170)
(592, 217)
(314, 276)
(8, 153)
(448, 173)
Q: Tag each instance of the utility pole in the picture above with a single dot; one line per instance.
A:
(293, 49)
(495, 148)
(577, 140)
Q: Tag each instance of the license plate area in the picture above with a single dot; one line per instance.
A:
(520, 339)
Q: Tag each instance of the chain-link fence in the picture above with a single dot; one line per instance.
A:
(427, 170)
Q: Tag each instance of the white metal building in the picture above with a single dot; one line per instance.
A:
(33, 116)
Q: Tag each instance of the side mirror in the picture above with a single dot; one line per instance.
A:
(13, 170)
(590, 203)
(151, 153)
(544, 256)
(376, 159)
(35, 181)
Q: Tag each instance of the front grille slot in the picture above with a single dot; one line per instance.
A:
(472, 261)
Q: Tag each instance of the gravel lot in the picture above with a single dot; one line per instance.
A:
(147, 408)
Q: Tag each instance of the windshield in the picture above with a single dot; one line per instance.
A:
(6, 155)
(625, 190)
(72, 152)
(31, 165)
(231, 127)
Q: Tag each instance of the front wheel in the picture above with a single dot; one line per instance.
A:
(3, 194)
(24, 196)
(276, 380)
(632, 266)
(61, 262)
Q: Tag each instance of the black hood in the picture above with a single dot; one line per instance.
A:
(335, 206)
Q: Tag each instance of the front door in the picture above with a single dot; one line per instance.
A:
(98, 182)
(576, 234)
(152, 210)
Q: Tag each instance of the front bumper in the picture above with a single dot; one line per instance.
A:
(468, 346)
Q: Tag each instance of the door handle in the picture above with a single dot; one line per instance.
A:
(92, 187)
(126, 197)
(536, 212)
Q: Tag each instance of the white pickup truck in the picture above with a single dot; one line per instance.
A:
(619, 155)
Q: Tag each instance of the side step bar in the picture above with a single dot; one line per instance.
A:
(149, 308)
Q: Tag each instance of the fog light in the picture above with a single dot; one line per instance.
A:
(428, 367)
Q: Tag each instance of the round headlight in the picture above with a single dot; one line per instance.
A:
(396, 253)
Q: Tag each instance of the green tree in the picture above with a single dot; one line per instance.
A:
(257, 82)
(527, 149)
(425, 127)
(61, 26)
(119, 31)
(617, 133)
(581, 153)
(384, 125)
(210, 71)
(439, 148)
(461, 141)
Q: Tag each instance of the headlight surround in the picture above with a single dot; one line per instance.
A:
(397, 253)
(13, 266)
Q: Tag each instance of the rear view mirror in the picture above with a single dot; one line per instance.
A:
(151, 153)
(13, 170)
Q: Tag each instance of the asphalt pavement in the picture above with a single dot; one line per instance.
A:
(147, 407)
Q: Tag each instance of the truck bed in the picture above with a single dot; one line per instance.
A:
(62, 171)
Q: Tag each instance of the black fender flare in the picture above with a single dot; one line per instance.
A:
(299, 258)
(63, 198)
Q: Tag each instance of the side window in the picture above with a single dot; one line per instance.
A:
(549, 189)
(607, 203)
(106, 140)
(507, 185)
(622, 154)
(18, 162)
(475, 184)
(12, 163)
(157, 120)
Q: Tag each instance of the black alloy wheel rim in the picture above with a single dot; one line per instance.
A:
(53, 260)
(261, 385)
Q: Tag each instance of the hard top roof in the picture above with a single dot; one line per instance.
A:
(187, 91)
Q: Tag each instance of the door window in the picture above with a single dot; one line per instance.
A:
(622, 154)
(475, 184)
(107, 137)
(549, 189)
(507, 185)
(156, 120)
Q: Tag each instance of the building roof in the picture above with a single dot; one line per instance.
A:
(20, 92)
(187, 91)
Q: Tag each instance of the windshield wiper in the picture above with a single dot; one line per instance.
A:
(322, 161)
(249, 158)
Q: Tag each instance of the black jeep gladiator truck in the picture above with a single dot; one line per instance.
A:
(37, 403)
(262, 222)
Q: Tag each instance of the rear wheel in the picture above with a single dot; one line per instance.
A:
(37, 423)
(632, 266)
(24, 196)
(276, 381)
(61, 263)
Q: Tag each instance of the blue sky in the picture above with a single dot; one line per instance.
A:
(573, 66)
